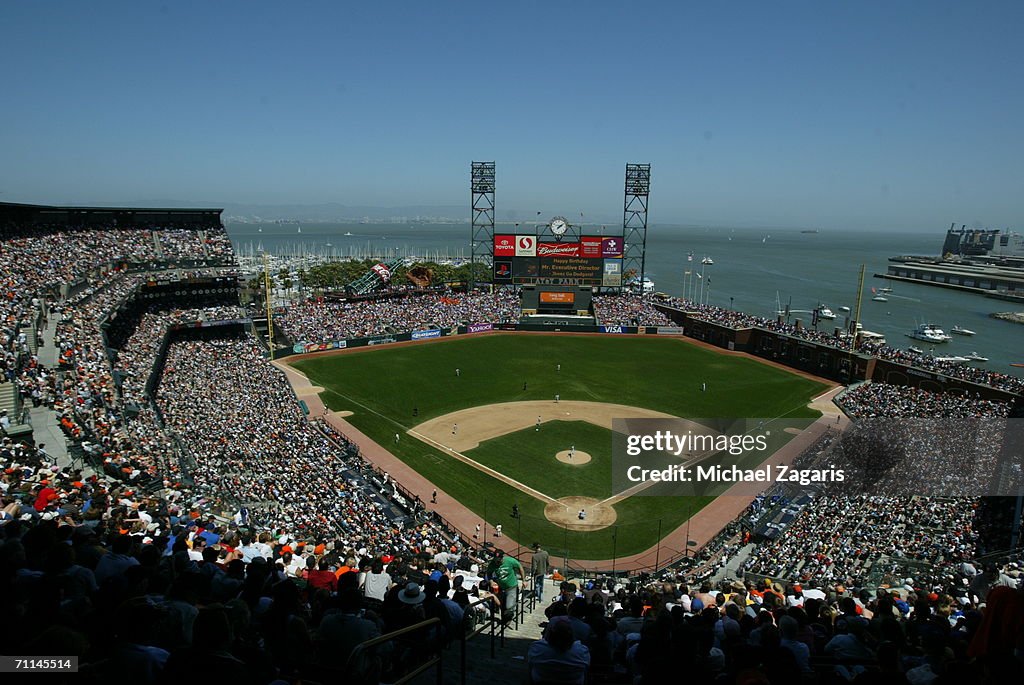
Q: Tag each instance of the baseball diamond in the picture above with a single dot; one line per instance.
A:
(513, 438)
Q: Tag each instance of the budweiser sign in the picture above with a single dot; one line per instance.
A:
(558, 249)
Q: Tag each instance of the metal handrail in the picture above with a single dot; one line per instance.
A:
(373, 642)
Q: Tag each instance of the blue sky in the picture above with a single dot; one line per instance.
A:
(848, 115)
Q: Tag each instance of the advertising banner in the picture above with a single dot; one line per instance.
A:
(432, 333)
(502, 270)
(613, 329)
(612, 273)
(558, 249)
(479, 327)
(504, 245)
(380, 341)
(526, 246)
(590, 246)
(383, 271)
(300, 348)
(670, 330)
(611, 247)
(557, 298)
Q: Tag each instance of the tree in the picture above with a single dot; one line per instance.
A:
(286, 279)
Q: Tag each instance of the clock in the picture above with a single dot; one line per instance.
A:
(558, 226)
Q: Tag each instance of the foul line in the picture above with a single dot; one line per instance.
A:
(537, 494)
(486, 469)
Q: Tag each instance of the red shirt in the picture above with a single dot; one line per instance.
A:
(44, 497)
(322, 580)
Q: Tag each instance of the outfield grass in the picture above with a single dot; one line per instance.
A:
(384, 387)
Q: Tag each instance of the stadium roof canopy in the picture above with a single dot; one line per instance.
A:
(22, 214)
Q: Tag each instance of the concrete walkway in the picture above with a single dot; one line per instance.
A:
(47, 349)
(46, 431)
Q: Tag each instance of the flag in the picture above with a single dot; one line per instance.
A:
(709, 280)
(689, 257)
(686, 273)
(699, 276)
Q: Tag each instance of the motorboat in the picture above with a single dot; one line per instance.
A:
(915, 350)
(645, 287)
(975, 357)
(879, 298)
(885, 290)
(956, 359)
(844, 309)
(707, 260)
(961, 331)
(824, 312)
(348, 232)
(929, 333)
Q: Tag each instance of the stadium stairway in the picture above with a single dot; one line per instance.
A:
(9, 401)
(731, 570)
(509, 662)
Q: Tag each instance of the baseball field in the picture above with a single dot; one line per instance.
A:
(478, 417)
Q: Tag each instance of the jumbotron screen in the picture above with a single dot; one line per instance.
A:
(592, 260)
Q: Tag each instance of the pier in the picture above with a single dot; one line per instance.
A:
(984, 279)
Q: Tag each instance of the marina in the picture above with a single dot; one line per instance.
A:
(749, 270)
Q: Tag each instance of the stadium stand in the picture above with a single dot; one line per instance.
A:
(221, 534)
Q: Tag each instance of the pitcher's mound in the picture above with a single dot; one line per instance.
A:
(578, 457)
(565, 512)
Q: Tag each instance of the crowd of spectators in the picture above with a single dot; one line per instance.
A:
(148, 589)
(628, 310)
(930, 362)
(840, 537)
(326, 321)
(194, 243)
(958, 629)
(250, 442)
(883, 400)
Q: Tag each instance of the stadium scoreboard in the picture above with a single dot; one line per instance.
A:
(584, 260)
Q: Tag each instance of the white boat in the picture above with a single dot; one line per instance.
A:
(646, 287)
(952, 360)
(929, 333)
(707, 260)
(961, 331)
(348, 233)
(915, 350)
(879, 298)
(885, 290)
(975, 357)
(844, 309)
(824, 312)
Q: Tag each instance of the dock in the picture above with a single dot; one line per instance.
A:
(986, 279)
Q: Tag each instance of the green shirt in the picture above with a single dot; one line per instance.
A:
(505, 572)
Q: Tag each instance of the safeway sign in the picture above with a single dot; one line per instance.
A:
(526, 246)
